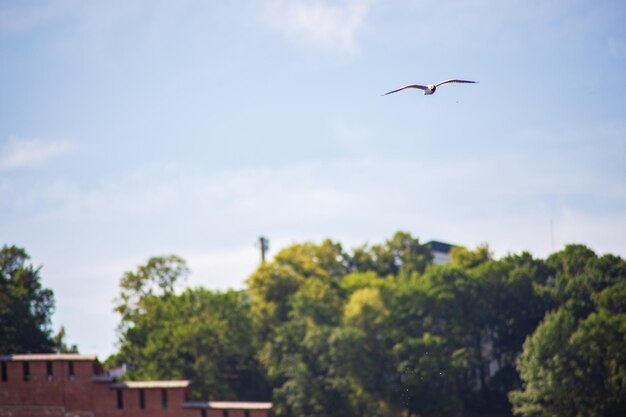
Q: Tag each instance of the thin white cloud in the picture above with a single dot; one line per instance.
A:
(212, 220)
(154, 191)
(323, 24)
(337, 197)
(20, 153)
(359, 198)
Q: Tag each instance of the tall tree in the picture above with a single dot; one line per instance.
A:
(574, 363)
(364, 344)
(436, 330)
(299, 355)
(26, 307)
(274, 284)
(208, 335)
(511, 302)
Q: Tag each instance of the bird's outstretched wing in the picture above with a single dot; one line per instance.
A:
(421, 87)
(455, 81)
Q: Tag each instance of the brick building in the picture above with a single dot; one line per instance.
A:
(74, 385)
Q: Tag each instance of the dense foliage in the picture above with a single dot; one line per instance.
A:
(375, 331)
(380, 331)
(199, 335)
(26, 307)
(574, 364)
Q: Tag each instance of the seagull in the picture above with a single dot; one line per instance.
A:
(429, 89)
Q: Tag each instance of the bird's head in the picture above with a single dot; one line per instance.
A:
(432, 88)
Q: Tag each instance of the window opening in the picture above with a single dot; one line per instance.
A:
(5, 375)
(120, 399)
(26, 368)
(142, 399)
(49, 370)
(164, 398)
(71, 371)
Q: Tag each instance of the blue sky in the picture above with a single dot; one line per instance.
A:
(130, 129)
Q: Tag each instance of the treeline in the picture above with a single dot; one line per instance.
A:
(380, 331)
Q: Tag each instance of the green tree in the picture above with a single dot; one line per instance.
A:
(158, 279)
(401, 254)
(199, 335)
(435, 328)
(574, 368)
(577, 273)
(317, 301)
(363, 341)
(274, 284)
(511, 302)
(209, 340)
(428, 369)
(26, 307)
(466, 258)
(574, 364)
(309, 355)
(472, 321)
(298, 356)
(300, 364)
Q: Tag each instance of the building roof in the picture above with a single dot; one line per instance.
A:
(229, 405)
(437, 246)
(48, 357)
(150, 384)
(102, 378)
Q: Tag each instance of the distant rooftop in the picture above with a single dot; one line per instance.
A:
(150, 384)
(229, 405)
(48, 357)
(437, 246)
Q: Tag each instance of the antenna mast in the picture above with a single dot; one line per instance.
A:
(264, 245)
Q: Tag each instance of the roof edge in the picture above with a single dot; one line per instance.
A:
(48, 357)
(149, 384)
(229, 405)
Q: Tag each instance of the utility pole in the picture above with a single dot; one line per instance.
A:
(264, 245)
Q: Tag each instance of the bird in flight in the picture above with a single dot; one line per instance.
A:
(431, 88)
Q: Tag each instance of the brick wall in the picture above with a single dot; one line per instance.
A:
(66, 388)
